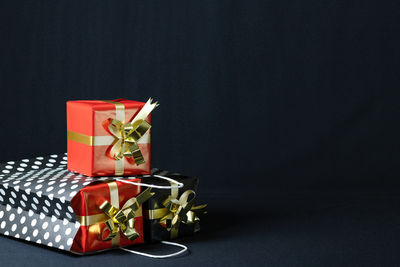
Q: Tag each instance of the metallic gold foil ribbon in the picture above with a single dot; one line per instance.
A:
(123, 219)
(178, 211)
(125, 136)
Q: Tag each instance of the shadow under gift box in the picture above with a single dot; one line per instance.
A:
(46, 206)
(88, 120)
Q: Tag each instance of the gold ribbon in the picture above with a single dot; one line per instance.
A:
(178, 211)
(125, 136)
(123, 219)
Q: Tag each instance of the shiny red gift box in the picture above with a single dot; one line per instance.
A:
(90, 140)
(86, 205)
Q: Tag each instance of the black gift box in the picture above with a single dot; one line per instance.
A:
(154, 231)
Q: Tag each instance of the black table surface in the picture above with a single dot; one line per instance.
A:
(261, 229)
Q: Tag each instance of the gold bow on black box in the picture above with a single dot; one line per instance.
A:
(123, 219)
(178, 211)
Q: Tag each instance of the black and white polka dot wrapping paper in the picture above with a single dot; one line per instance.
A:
(35, 197)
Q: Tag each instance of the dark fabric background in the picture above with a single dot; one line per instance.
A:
(259, 99)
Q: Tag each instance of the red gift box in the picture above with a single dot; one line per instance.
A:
(93, 230)
(100, 133)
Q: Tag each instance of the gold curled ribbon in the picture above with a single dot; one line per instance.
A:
(127, 135)
(178, 211)
(123, 219)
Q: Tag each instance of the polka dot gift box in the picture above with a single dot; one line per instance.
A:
(107, 138)
(42, 202)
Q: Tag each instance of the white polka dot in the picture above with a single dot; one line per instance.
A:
(16, 236)
(39, 158)
(61, 247)
(28, 238)
(1, 199)
(49, 189)
(24, 197)
(64, 158)
(77, 225)
(62, 199)
(3, 224)
(52, 160)
(6, 233)
(35, 167)
(11, 162)
(65, 221)
(33, 222)
(35, 232)
(6, 171)
(73, 193)
(69, 241)
(23, 219)
(9, 167)
(61, 191)
(63, 162)
(49, 164)
(33, 206)
(30, 213)
(2, 192)
(39, 241)
(25, 160)
(38, 186)
(20, 169)
(46, 235)
(8, 207)
(1, 214)
(50, 244)
(22, 203)
(23, 165)
(38, 163)
(51, 196)
(58, 238)
(52, 182)
(44, 225)
(68, 231)
(13, 194)
(68, 215)
(35, 200)
(39, 193)
(14, 227)
(47, 202)
(58, 206)
(41, 216)
(27, 184)
(24, 230)
(57, 212)
(53, 218)
(56, 228)
(11, 201)
(45, 209)
(12, 217)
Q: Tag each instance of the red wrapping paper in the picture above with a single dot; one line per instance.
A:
(91, 118)
(87, 202)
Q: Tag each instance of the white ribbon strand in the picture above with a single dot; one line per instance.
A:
(184, 248)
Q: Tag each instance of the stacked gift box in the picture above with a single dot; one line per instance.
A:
(104, 194)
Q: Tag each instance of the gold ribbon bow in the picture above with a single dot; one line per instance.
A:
(178, 211)
(123, 219)
(127, 135)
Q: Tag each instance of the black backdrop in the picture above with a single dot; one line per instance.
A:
(281, 96)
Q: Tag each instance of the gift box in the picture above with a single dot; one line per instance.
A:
(106, 138)
(171, 213)
(42, 202)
